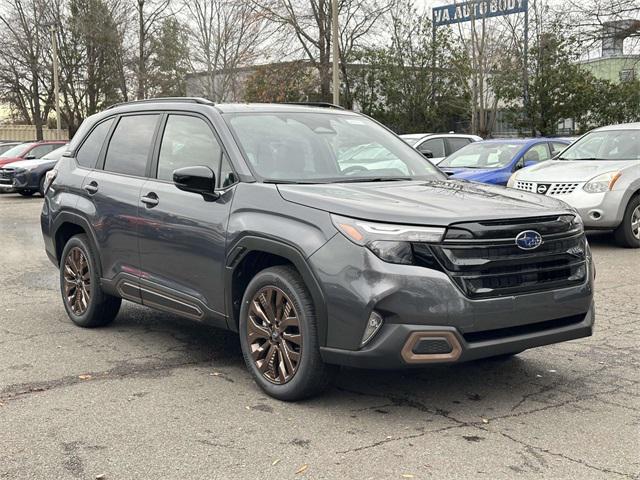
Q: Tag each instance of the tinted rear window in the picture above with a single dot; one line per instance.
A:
(130, 145)
(88, 153)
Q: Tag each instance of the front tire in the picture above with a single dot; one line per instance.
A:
(278, 335)
(628, 232)
(26, 193)
(85, 302)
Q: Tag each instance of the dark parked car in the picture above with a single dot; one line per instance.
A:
(241, 216)
(29, 151)
(27, 177)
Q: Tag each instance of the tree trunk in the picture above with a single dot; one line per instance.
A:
(37, 118)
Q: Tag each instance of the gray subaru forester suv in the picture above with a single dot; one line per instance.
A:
(248, 218)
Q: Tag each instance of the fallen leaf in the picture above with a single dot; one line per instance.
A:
(552, 371)
(215, 374)
(101, 476)
(302, 469)
(484, 420)
(538, 375)
(84, 377)
(275, 462)
(407, 475)
(248, 407)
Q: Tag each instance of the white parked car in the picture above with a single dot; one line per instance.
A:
(437, 146)
(598, 175)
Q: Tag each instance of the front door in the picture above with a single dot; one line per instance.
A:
(182, 235)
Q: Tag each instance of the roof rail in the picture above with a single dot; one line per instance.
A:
(315, 104)
(200, 100)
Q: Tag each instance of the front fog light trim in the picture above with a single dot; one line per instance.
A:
(373, 326)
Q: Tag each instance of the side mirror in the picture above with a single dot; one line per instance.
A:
(196, 179)
(427, 153)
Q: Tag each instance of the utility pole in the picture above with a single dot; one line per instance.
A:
(335, 34)
(56, 87)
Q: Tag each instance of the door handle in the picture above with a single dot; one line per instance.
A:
(150, 200)
(91, 188)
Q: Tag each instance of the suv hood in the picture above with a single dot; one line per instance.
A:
(571, 170)
(437, 203)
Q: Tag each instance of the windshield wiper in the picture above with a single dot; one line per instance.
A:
(370, 179)
(578, 159)
(291, 182)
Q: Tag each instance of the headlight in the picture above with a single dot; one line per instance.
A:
(390, 242)
(602, 183)
(512, 180)
(49, 177)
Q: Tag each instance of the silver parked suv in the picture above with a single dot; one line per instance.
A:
(599, 175)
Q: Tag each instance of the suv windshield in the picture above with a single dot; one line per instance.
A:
(482, 155)
(325, 147)
(17, 150)
(605, 145)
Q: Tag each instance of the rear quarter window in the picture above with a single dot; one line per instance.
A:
(88, 153)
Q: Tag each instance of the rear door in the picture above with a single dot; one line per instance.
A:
(456, 143)
(113, 189)
(183, 235)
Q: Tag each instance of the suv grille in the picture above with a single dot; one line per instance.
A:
(5, 177)
(483, 259)
(550, 188)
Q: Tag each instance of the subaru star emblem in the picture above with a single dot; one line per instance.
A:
(528, 240)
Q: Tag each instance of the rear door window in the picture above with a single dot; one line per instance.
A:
(130, 145)
(88, 153)
(456, 143)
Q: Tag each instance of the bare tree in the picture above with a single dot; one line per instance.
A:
(226, 34)
(310, 23)
(24, 76)
(150, 14)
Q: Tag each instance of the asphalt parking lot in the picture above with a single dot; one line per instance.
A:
(156, 396)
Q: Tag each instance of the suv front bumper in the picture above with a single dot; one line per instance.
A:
(391, 346)
(417, 301)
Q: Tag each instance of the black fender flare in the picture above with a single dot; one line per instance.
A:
(275, 246)
(80, 221)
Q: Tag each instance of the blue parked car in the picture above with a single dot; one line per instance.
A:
(493, 161)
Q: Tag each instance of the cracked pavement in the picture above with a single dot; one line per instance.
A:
(157, 396)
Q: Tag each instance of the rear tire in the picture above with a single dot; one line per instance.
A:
(628, 232)
(85, 302)
(278, 335)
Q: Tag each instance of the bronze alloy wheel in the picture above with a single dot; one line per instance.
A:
(274, 335)
(77, 281)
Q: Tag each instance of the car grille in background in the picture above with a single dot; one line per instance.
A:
(528, 186)
(483, 259)
(6, 177)
(551, 188)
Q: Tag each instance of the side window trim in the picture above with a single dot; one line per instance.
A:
(152, 171)
(105, 146)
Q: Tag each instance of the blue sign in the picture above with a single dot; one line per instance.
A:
(466, 11)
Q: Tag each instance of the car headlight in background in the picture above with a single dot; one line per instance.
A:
(512, 180)
(390, 242)
(601, 183)
(49, 177)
